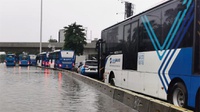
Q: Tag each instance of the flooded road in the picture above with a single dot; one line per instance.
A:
(34, 89)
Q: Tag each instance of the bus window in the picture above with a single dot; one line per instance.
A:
(130, 46)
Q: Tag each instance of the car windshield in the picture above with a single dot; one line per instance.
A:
(91, 63)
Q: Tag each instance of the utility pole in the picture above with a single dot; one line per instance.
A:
(41, 28)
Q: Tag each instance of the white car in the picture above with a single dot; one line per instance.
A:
(89, 68)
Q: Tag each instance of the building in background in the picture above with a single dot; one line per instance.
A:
(61, 35)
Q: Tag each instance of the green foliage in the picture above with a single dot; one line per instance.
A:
(2, 58)
(75, 38)
(53, 41)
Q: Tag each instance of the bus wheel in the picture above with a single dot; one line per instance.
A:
(178, 95)
(197, 105)
(111, 80)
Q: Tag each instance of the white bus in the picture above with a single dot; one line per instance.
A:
(156, 52)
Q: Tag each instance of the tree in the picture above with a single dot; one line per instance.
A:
(75, 38)
(52, 40)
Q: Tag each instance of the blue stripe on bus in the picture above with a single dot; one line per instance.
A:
(170, 41)
(149, 34)
(177, 39)
(150, 30)
(189, 18)
(184, 2)
(155, 37)
(181, 19)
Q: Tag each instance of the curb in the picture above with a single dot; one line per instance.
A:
(134, 100)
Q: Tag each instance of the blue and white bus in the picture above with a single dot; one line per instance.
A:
(10, 60)
(64, 59)
(32, 59)
(156, 52)
(24, 60)
(42, 59)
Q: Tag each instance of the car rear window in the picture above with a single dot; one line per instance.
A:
(91, 63)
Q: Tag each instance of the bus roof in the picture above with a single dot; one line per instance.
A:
(23, 55)
(10, 54)
(43, 53)
(32, 55)
(58, 50)
(2, 53)
(61, 50)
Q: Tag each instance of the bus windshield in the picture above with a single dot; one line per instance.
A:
(67, 54)
(10, 56)
(23, 57)
(32, 56)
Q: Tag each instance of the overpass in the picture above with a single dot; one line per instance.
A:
(34, 47)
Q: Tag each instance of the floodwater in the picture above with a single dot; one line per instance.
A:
(34, 89)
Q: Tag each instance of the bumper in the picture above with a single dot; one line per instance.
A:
(93, 74)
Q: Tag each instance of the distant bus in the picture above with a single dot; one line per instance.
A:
(156, 53)
(24, 60)
(32, 59)
(64, 59)
(42, 59)
(2, 57)
(10, 60)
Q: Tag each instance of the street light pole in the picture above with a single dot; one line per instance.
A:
(41, 29)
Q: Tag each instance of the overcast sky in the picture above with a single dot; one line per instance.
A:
(20, 19)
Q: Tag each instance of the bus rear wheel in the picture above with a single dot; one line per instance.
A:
(178, 95)
(111, 79)
(112, 82)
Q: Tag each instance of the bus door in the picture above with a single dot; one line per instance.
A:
(100, 47)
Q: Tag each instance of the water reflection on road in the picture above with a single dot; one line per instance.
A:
(34, 89)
